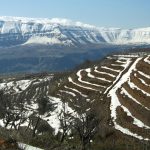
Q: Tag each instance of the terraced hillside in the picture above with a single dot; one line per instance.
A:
(117, 87)
(129, 95)
(125, 82)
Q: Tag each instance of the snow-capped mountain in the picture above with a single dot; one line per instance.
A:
(19, 30)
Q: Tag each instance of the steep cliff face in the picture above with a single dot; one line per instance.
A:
(17, 30)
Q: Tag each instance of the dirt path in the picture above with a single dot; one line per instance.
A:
(115, 82)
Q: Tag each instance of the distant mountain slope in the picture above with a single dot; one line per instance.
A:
(19, 30)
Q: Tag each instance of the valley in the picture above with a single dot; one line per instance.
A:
(32, 45)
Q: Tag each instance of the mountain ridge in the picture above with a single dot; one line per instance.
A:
(55, 31)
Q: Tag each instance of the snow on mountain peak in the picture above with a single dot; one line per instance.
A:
(59, 21)
(67, 32)
(49, 41)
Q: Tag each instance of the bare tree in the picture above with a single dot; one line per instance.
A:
(65, 121)
(86, 123)
(86, 126)
(36, 126)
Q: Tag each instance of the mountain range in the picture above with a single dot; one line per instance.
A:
(37, 45)
(19, 30)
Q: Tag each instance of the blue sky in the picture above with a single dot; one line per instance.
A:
(108, 13)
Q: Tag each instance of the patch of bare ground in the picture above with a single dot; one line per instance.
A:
(86, 85)
(74, 90)
(100, 75)
(80, 89)
(117, 67)
(144, 67)
(117, 63)
(138, 75)
(127, 122)
(75, 102)
(139, 83)
(107, 71)
(94, 80)
(138, 95)
(135, 109)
